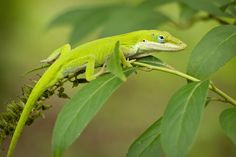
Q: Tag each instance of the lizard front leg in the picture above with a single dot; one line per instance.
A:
(125, 62)
(56, 54)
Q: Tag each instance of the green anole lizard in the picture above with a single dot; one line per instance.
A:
(65, 61)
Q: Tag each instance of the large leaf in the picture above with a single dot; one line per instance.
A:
(228, 123)
(88, 25)
(225, 2)
(78, 112)
(126, 19)
(70, 17)
(215, 49)
(186, 14)
(182, 118)
(155, 3)
(229, 7)
(231, 10)
(148, 144)
(115, 18)
(210, 6)
(79, 15)
(87, 22)
(83, 20)
(114, 64)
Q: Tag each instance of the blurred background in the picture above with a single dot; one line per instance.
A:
(26, 37)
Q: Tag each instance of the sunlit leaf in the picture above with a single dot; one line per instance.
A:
(215, 49)
(182, 118)
(79, 111)
(228, 123)
(148, 144)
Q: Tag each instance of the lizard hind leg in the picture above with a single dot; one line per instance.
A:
(56, 54)
(87, 63)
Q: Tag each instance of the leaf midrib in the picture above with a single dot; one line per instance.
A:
(82, 107)
(212, 51)
(184, 110)
(157, 136)
(88, 98)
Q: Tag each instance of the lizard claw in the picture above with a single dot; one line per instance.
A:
(128, 63)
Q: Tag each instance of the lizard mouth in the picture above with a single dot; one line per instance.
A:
(171, 46)
(154, 46)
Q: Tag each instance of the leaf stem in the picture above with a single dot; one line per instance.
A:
(188, 77)
(224, 95)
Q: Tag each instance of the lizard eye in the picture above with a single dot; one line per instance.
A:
(160, 39)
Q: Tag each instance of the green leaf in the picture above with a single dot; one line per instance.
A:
(87, 26)
(142, 18)
(115, 18)
(225, 2)
(228, 6)
(206, 5)
(83, 20)
(114, 64)
(231, 10)
(70, 17)
(215, 49)
(79, 111)
(182, 118)
(228, 123)
(88, 22)
(79, 15)
(151, 60)
(148, 144)
(186, 14)
(154, 3)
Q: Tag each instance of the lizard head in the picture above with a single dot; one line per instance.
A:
(154, 40)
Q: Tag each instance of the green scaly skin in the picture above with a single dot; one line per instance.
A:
(90, 55)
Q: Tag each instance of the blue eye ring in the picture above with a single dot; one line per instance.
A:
(161, 39)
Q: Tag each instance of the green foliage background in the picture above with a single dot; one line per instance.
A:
(25, 39)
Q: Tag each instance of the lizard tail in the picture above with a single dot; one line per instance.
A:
(35, 94)
(46, 81)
